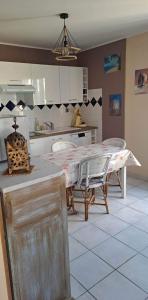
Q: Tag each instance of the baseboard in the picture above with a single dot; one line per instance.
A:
(137, 176)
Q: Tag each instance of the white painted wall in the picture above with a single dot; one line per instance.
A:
(136, 106)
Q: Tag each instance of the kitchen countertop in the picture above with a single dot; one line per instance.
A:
(42, 171)
(60, 131)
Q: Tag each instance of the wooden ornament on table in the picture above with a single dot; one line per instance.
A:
(17, 152)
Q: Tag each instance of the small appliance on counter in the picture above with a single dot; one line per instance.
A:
(17, 151)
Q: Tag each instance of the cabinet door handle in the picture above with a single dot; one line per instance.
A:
(81, 134)
(15, 80)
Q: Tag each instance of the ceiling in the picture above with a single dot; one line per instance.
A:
(36, 23)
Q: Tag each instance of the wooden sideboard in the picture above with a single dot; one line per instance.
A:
(34, 237)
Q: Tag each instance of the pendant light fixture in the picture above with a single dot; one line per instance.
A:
(65, 47)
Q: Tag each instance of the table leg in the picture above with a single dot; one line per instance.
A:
(123, 182)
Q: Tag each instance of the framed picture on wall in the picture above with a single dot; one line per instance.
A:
(141, 81)
(112, 63)
(115, 102)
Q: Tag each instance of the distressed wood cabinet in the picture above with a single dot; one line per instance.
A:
(35, 241)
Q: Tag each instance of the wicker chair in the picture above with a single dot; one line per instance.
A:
(61, 145)
(116, 142)
(92, 175)
(57, 147)
(121, 144)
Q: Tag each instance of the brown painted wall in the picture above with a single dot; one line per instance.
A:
(29, 55)
(113, 83)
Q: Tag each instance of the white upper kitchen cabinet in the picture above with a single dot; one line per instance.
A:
(76, 84)
(71, 84)
(14, 73)
(47, 84)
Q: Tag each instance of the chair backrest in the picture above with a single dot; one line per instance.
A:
(61, 145)
(116, 142)
(95, 166)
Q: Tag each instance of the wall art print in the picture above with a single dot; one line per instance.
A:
(112, 63)
(141, 81)
(115, 102)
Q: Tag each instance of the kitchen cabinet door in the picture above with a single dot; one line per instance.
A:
(40, 146)
(81, 138)
(47, 90)
(64, 85)
(14, 73)
(71, 84)
(52, 84)
(76, 84)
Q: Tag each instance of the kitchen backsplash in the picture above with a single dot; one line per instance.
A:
(60, 115)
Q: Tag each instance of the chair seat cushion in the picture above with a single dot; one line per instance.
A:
(93, 182)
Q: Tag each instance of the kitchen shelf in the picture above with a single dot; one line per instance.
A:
(85, 84)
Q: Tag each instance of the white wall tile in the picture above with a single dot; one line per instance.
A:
(61, 117)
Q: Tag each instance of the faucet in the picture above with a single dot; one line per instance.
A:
(50, 125)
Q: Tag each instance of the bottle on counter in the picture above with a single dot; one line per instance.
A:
(37, 124)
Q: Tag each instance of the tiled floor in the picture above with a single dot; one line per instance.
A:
(109, 253)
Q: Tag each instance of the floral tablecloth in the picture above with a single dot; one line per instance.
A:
(69, 159)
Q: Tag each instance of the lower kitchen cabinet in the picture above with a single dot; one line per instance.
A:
(40, 146)
(33, 227)
(43, 145)
(81, 138)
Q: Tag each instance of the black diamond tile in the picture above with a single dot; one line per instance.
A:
(41, 106)
(58, 105)
(80, 104)
(86, 103)
(66, 104)
(93, 101)
(1, 106)
(73, 104)
(49, 106)
(31, 107)
(100, 101)
(10, 105)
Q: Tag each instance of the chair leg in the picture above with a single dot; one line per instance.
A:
(67, 197)
(70, 201)
(105, 191)
(86, 205)
(116, 173)
(118, 177)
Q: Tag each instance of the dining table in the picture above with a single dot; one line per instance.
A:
(69, 159)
